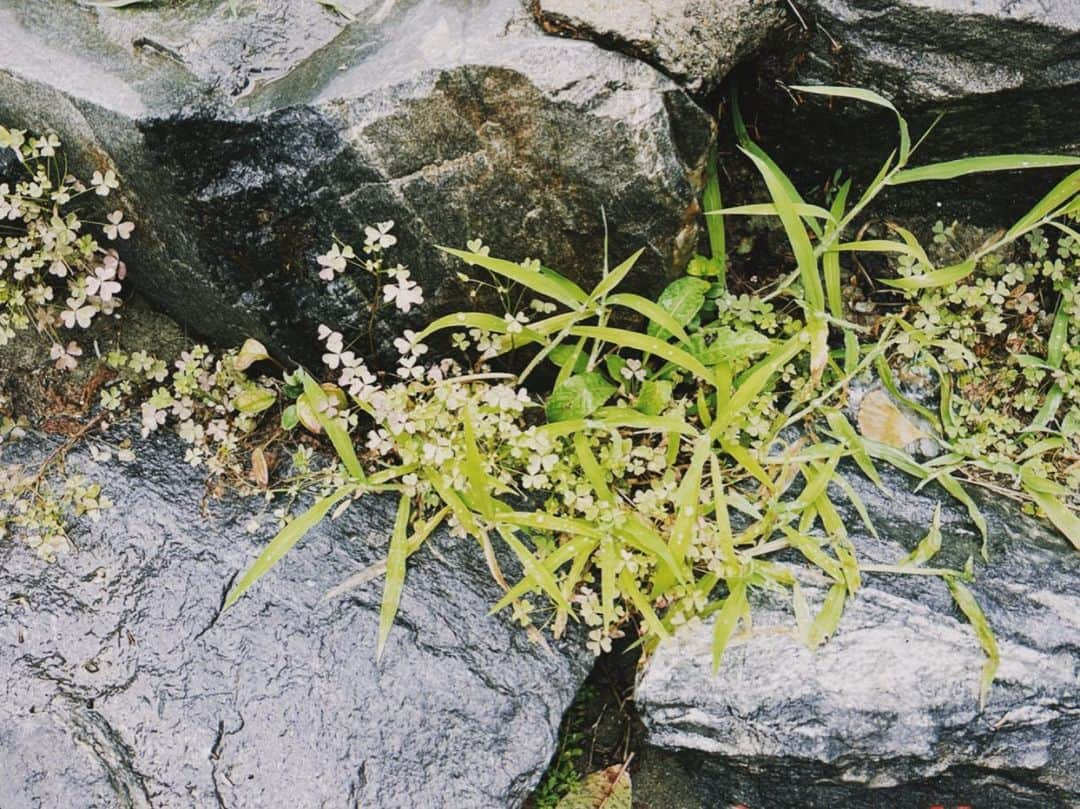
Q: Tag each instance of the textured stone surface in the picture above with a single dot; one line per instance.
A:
(696, 42)
(246, 141)
(122, 685)
(951, 49)
(886, 713)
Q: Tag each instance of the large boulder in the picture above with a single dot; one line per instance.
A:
(887, 712)
(696, 42)
(123, 684)
(247, 135)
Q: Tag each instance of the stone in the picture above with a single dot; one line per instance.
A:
(934, 50)
(248, 135)
(696, 42)
(123, 684)
(886, 713)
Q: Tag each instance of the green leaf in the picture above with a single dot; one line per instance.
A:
(654, 396)
(965, 600)
(854, 443)
(335, 428)
(827, 621)
(1058, 196)
(606, 789)
(714, 222)
(972, 165)
(778, 186)
(578, 397)
(1056, 511)
(870, 97)
(756, 380)
(769, 209)
(929, 545)
(251, 351)
(727, 619)
(682, 299)
(114, 3)
(935, 278)
(714, 345)
(534, 569)
(395, 574)
(288, 536)
(289, 417)
(478, 320)
(660, 318)
(254, 400)
(687, 501)
(544, 282)
(643, 342)
(615, 277)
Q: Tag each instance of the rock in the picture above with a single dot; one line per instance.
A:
(933, 50)
(247, 138)
(123, 685)
(696, 42)
(886, 713)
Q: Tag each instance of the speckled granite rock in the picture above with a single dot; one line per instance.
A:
(122, 684)
(246, 141)
(696, 42)
(886, 713)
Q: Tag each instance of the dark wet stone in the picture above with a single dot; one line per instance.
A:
(696, 42)
(122, 684)
(886, 713)
(246, 142)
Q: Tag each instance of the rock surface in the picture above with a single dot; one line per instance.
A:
(886, 713)
(696, 42)
(246, 141)
(123, 685)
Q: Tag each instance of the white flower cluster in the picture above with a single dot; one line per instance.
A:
(402, 291)
(46, 255)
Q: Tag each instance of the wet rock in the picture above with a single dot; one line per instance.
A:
(123, 685)
(921, 50)
(887, 712)
(247, 138)
(696, 42)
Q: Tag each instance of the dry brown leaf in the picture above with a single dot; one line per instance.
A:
(881, 420)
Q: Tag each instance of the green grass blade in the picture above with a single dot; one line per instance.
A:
(870, 97)
(935, 278)
(1058, 196)
(714, 221)
(544, 282)
(795, 230)
(629, 588)
(335, 430)
(929, 545)
(769, 209)
(965, 600)
(643, 342)
(652, 311)
(756, 380)
(395, 574)
(727, 619)
(1056, 511)
(952, 169)
(478, 320)
(534, 569)
(854, 443)
(687, 501)
(281, 544)
(827, 621)
(615, 277)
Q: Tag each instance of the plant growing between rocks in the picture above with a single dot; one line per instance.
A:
(671, 471)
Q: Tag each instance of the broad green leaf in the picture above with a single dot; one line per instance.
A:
(952, 169)
(655, 313)
(643, 342)
(965, 600)
(335, 429)
(578, 396)
(254, 400)
(570, 357)
(631, 419)
(682, 299)
(395, 574)
(606, 789)
(870, 97)
(727, 619)
(544, 282)
(251, 351)
(288, 536)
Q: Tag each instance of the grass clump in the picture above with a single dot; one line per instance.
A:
(658, 477)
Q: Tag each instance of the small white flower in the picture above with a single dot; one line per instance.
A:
(102, 183)
(101, 283)
(66, 359)
(333, 262)
(117, 227)
(633, 370)
(379, 236)
(405, 293)
(77, 313)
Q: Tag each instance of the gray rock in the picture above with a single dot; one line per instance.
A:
(886, 713)
(123, 685)
(246, 141)
(919, 50)
(696, 42)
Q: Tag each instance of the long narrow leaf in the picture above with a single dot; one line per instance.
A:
(395, 574)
